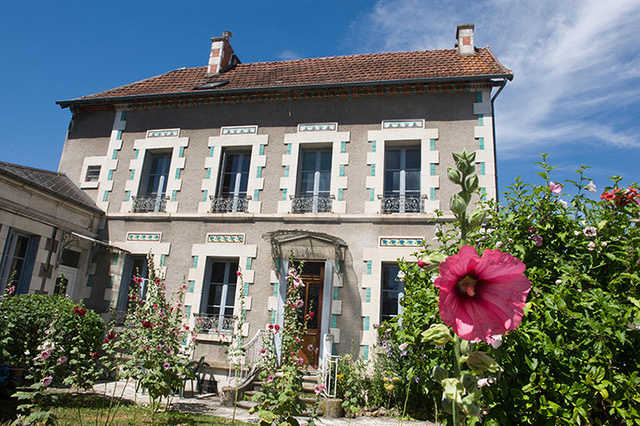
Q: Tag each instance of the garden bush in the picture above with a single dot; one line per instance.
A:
(574, 358)
(38, 328)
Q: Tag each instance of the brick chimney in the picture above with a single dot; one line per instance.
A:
(464, 36)
(221, 53)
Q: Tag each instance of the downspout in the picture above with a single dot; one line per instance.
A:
(493, 125)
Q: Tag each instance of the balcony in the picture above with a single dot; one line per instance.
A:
(229, 204)
(153, 204)
(402, 203)
(311, 203)
(214, 324)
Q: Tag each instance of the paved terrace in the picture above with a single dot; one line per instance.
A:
(210, 405)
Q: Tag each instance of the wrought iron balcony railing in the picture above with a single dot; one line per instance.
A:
(402, 203)
(311, 203)
(229, 204)
(214, 324)
(149, 204)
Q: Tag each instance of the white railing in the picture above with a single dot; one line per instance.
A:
(251, 358)
(329, 368)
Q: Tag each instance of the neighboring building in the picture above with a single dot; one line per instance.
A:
(48, 230)
(339, 161)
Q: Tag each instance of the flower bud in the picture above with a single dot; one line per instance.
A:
(457, 204)
(476, 218)
(470, 383)
(431, 262)
(470, 407)
(472, 183)
(466, 347)
(439, 374)
(481, 362)
(437, 334)
(452, 389)
(454, 175)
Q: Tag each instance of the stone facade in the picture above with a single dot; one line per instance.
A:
(350, 228)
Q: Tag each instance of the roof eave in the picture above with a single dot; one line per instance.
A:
(196, 93)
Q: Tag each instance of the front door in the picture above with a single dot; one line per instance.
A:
(313, 278)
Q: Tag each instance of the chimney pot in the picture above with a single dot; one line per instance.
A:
(465, 42)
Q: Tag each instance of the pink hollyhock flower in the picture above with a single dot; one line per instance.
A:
(310, 347)
(482, 297)
(270, 379)
(137, 280)
(537, 239)
(300, 361)
(299, 304)
(318, 389)
(262, 352)
(11, 290)
(270, 327)
(276, 327)
(166, 365)
(46, 381)
(62, 360)
(556, 188)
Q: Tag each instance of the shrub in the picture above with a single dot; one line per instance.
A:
(30, 323)
(574, 358)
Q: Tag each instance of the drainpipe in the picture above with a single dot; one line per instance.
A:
(493, 125)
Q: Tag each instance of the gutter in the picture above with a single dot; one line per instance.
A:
(493, 125)
(198, 93)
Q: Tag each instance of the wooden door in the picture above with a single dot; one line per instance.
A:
(313, 278)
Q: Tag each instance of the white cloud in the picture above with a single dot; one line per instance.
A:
(575, 62)
(287, 55)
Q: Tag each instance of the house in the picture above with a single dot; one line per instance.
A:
(48, 233)
(338, 161)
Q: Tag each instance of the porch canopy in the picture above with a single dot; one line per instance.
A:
(295, 238)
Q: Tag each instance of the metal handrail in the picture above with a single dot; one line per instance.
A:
(251, 356)
(402, 203)
(311, 203)
(149, 204)
(214, 324)
(329, 368)
(229, 204)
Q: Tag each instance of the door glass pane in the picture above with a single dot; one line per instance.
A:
(413, 159)
(392, 159)
(392, 287)
(412, 182)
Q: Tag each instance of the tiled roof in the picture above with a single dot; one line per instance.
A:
(55, 183)
(375, 68)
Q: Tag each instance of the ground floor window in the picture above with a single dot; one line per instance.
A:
(18, 259)
(134, 266)
(392, 291)
(219, 295)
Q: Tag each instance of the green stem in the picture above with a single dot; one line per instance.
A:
(456, 372)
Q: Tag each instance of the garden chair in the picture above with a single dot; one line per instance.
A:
(196, 371)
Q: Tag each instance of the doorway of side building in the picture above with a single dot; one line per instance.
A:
(313, 278)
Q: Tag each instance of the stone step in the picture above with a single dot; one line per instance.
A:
(247, 405)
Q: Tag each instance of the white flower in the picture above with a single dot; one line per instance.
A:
(558, 281)
(590, 231)
(591, 246)
(604, 244)
(576, 233)
(497, 341)
(403, 346)
(563, 203)
(486, 381)
(591, 187)
(498, 244)
(400, 276)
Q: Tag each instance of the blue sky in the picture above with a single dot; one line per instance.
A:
(576, 92)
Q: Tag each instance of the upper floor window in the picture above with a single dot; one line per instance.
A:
(93, 174)
(232, 187)
(314, 182)
(402, 180)
(153, 184)
(392, 292)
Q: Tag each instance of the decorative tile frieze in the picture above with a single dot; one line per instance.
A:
(401, 242)
(144, 236)
(403, 124)
(318, 127)
(239, 130)
(225, 238)
(163, 133)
